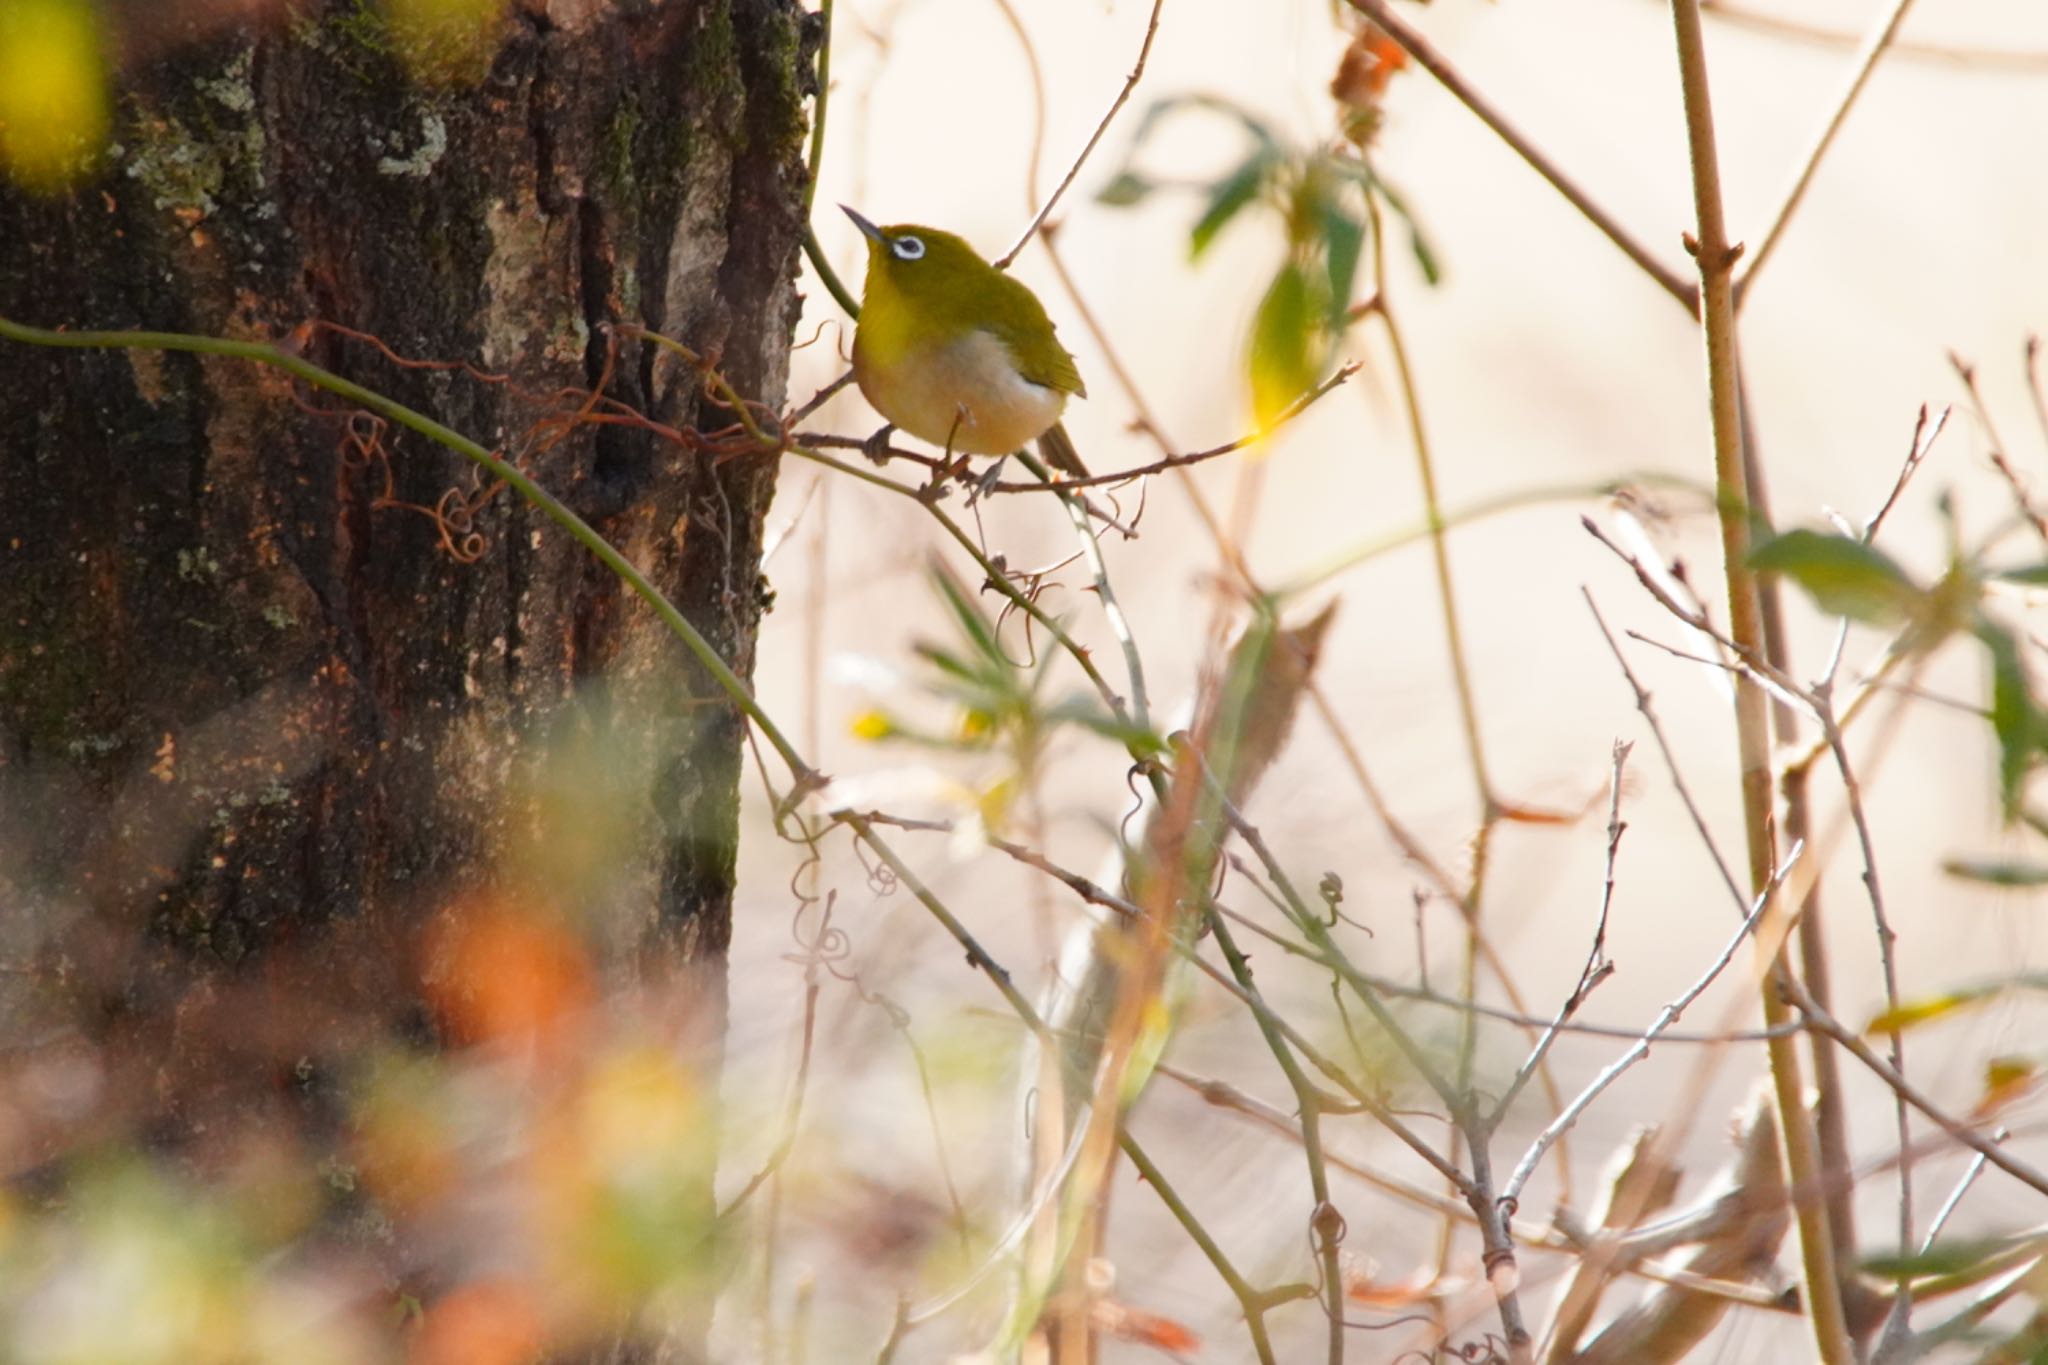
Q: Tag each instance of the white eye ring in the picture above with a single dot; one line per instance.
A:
(907, 248)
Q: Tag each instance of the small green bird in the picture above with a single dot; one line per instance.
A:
(957, 352)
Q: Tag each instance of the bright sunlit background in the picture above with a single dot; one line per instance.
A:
(1545, 361)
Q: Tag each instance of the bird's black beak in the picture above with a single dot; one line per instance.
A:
(874, 234)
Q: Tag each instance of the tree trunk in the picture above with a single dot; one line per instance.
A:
(274, 677)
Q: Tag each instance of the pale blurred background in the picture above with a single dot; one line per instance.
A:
(1544, 359)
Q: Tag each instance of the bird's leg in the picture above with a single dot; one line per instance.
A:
(876, 447)
(990, 477)
(954, 466)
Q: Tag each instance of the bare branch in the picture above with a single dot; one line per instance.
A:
(1102, 126)
(1511, 1192)
(1429, 59)
(1866, 62)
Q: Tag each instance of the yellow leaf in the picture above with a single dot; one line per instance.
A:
(872, 724)
(1288, 345)
(53, 91)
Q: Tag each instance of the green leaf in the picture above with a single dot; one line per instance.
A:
(1997, 871)
(1418, 241)
(1843, 575)
(1088, 713)
(1343, 241)
(1127, 189)
(2015, 720)
(1173, 104)
(1227, 197)
(967, 616)
(1425, 257)
(2032, 576)
(1288, 344)
(1944, 1258)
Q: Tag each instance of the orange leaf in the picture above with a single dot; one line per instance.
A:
(501, 970)
(487, 1322)
(1126, 1323)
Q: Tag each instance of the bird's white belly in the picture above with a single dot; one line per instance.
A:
(967, 396)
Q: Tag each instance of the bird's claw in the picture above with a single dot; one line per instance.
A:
(876, 447)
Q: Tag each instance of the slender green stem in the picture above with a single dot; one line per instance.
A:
(1478, 510)
(264, 354)
(1324, 1227)
(814, 252)
(1473, 901)
(1716, 259)
(819, 104)
(1251, 1300)
(1866, 62)
(1112, 610)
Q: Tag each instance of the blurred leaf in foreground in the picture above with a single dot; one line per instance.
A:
(1326, 198)
(1911, 1013)
(1842, 574)
(1944, 1258)
(2016, 718)
(53, 91)
(1289, 346)
(444, 42)
(1998, 871)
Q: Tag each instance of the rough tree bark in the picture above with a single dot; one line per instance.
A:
(257, 706)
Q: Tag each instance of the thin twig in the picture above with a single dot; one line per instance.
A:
(1429, 59)
(995, 578)
(1955, 1198)
(1497, 1245)
(1252, 1301)
(1649, 714)
(1511, 1192)
(1003, 261)
(1181, 461)
(1922, 446)
(1984, 1145)
(1992, 58)
(1112, 609)
(1874, 46)
(1745, 662)
(1598, 967)
(816, 401)
(2034, 389)
(1325, 1224)
(1887, 939)
(1401, 991)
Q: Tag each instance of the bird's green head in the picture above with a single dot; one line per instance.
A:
(919, 262)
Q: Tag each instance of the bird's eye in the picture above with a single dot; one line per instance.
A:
(907, 248)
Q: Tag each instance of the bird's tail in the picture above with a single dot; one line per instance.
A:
(1056, 448)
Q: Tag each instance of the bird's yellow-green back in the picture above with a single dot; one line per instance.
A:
(926, 288)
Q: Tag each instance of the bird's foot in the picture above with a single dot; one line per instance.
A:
(876, 447)
(986, 484)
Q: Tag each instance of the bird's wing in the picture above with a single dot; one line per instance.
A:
(1052, 368)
